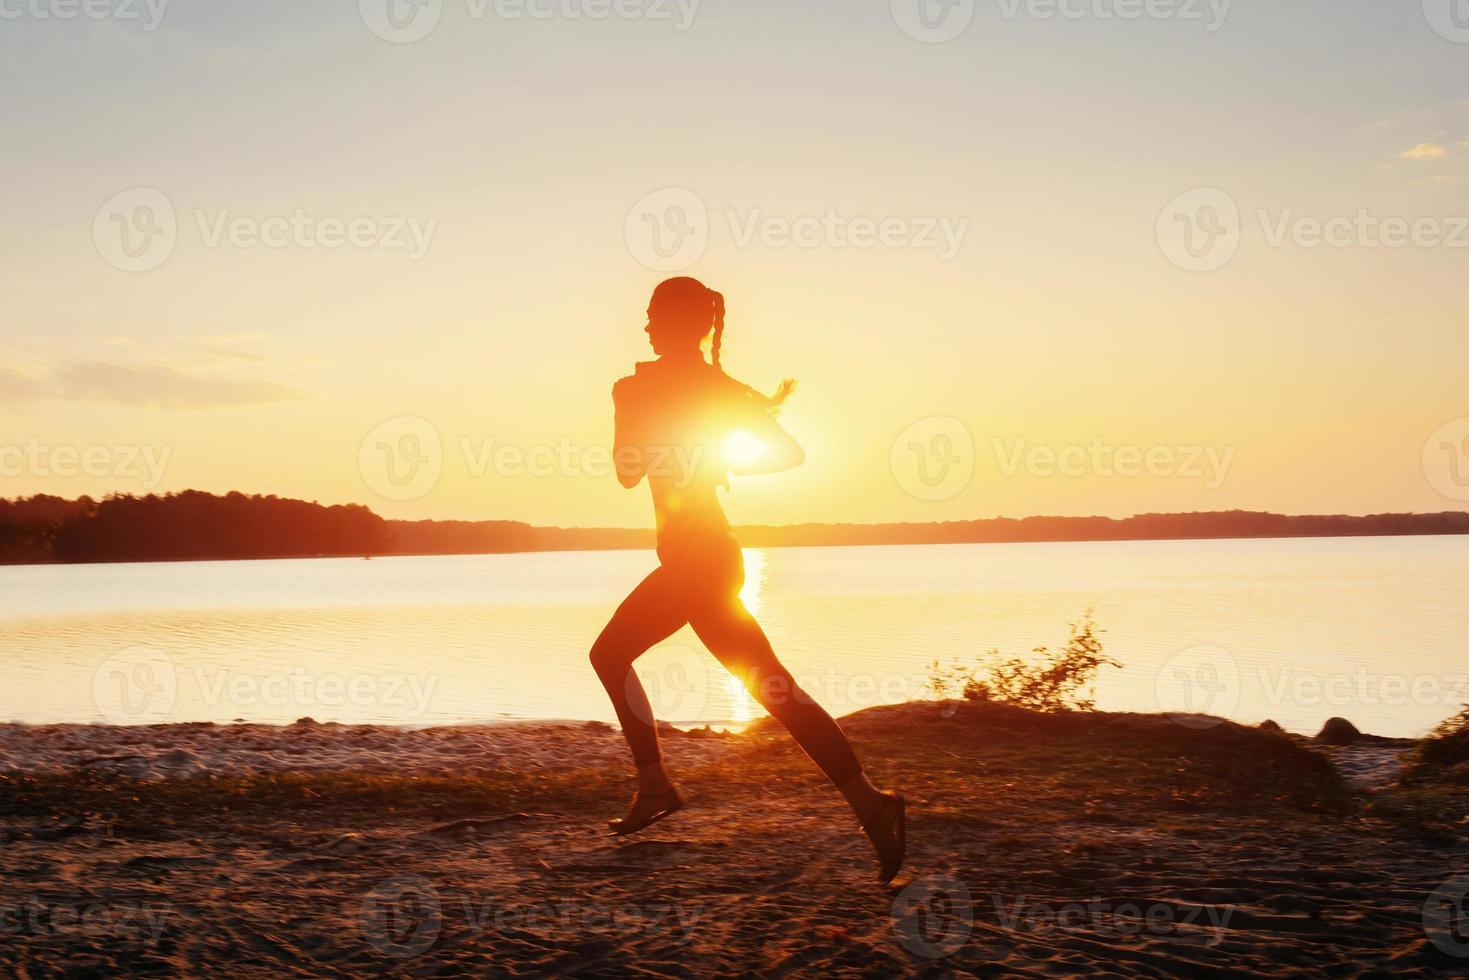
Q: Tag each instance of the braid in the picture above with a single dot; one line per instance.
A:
(718, 300)
(770, 402)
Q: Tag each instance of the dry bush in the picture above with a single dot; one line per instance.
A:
(1061, 680)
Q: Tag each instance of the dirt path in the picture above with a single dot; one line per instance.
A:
(1040, 847)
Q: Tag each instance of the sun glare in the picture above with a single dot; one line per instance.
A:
(754, 578)
(742, 707)
(742, 449)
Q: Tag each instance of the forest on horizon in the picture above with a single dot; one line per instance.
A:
(194, 525)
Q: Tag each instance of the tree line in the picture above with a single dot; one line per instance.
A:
(183, 526)
(194, 525)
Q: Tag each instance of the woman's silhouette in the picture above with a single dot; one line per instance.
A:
(673, 418)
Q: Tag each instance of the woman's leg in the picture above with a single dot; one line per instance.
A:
(649, 615)
(732, 635)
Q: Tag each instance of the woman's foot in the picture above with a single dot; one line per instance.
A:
(886, 826)
(648, 807)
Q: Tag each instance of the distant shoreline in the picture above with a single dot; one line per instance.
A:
(196, 526)
(742, 540)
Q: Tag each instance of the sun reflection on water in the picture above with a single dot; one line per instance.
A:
(742, 707)
(754, 579)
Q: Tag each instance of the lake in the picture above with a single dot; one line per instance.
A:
(1297, 630)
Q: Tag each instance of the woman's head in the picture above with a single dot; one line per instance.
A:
(681, 314)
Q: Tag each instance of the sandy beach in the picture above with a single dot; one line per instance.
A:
(1041, 845)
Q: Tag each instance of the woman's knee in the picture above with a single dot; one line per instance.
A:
(609, 657)
(774, 687)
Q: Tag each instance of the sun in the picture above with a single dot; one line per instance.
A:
(742, 449)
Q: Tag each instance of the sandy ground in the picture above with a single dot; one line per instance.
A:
(181, 751)
(1040, 846)
(1372, 765)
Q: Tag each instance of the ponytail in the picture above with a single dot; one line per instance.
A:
(718, 300)
(771, 403)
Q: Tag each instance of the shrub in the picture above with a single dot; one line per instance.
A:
(1457, 725)
(1063, 680)
(1444, 754)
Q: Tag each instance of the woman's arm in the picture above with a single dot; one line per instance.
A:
(627, 443)
(782, 451)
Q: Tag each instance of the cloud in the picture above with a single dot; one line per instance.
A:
(160, 387)
(221, 353)
(227, 347)
(227, 339)
(229, 354)
(17, 387)
(1424, 151)
(189, 372)
(140, 385)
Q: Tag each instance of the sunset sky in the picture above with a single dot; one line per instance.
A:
(517, 148)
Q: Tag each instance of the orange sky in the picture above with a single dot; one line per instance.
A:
(973, 237)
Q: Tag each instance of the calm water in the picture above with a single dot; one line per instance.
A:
(1374, 629)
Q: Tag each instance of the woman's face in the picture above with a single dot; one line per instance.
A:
(671, 328)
